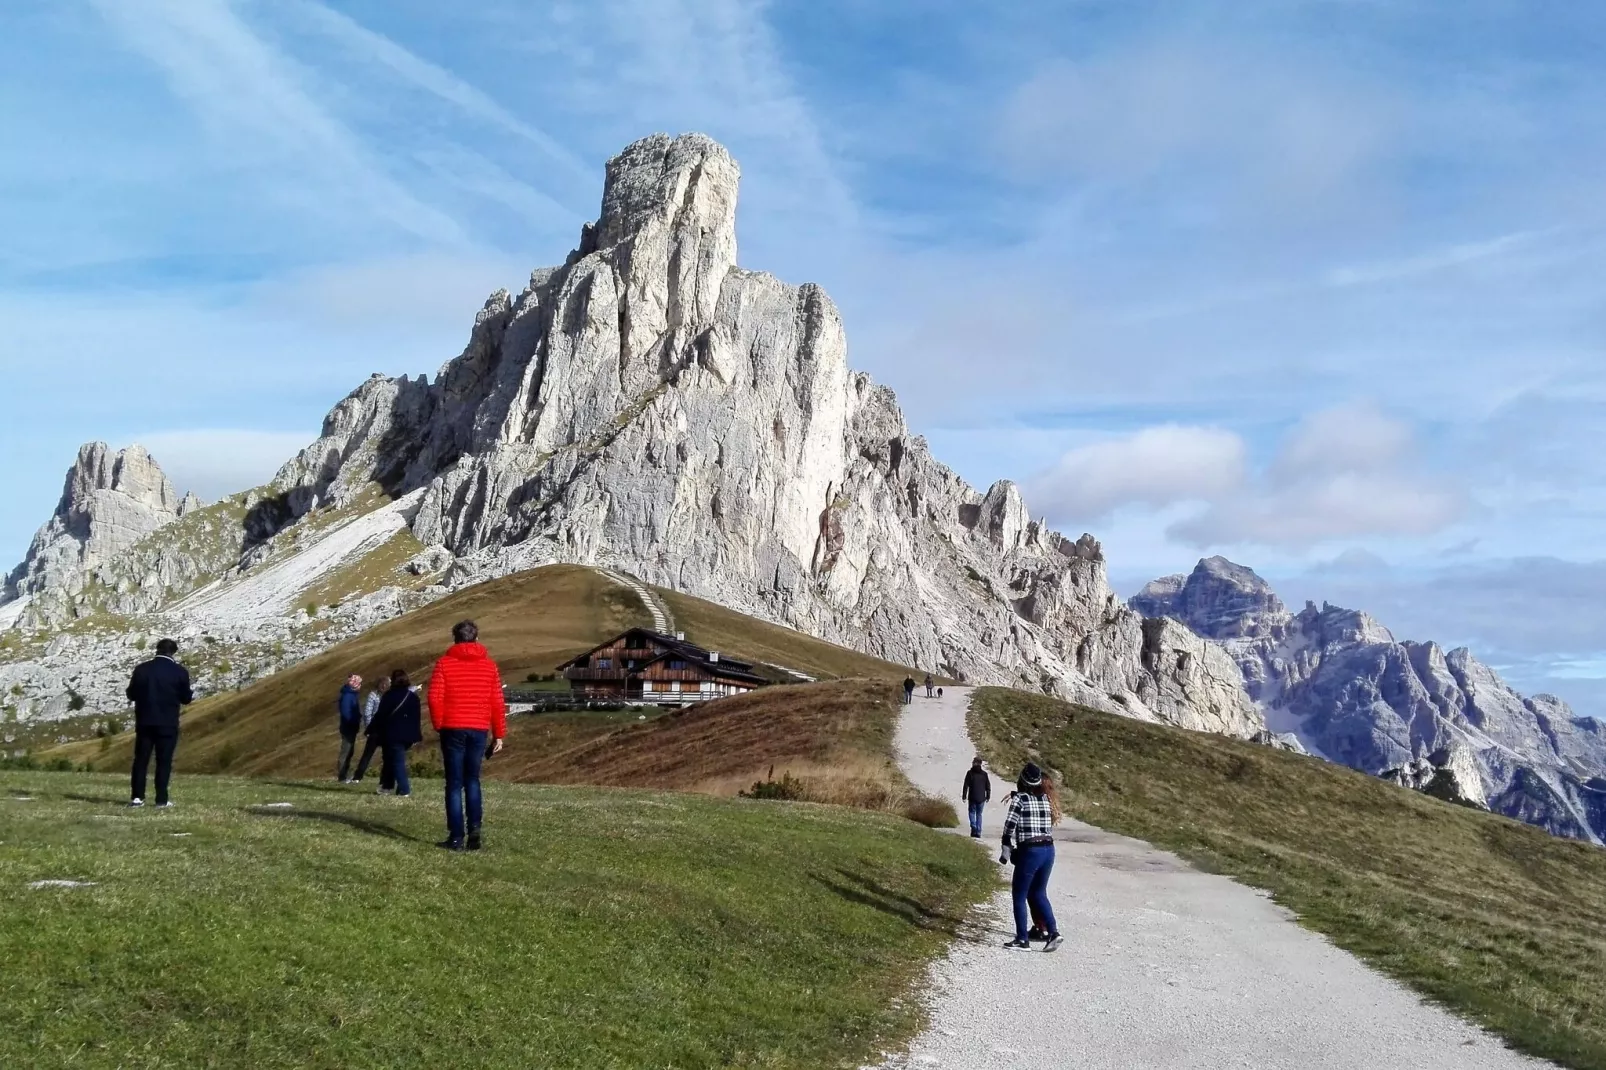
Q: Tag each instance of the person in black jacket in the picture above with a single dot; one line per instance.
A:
(977, 791)
(158, 689)
(397, 725)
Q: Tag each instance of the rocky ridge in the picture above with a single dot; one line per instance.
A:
(1350, 692)
(651, 406)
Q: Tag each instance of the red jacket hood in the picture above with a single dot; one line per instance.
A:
(468, 651)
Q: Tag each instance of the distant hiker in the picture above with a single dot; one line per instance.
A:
(350, 706)
(977, 790)
(466, 704)
(929, 683)
(395, 728)
(372, 743)
(1029, 844)
(908, 690)
(158, 688)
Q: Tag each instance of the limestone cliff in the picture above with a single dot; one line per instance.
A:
(651, 405)
(110, 502)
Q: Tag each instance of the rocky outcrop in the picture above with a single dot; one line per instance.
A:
(110, 502)
(1350, 692)
(651, 405)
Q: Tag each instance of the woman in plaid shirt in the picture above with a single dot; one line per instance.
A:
(1029, 843)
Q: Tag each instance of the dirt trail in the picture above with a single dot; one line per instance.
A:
(1163, 966)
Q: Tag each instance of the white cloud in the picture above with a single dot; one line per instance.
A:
(1156, 466)
(217, 462)
(1343, 472)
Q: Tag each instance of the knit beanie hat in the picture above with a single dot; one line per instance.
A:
(1031, 776)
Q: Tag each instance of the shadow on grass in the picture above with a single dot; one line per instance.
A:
(372, 828)
(308, 785)
(857, 888)
(98, 800)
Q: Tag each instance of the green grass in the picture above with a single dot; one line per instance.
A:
(1488, 916)
(600, 929)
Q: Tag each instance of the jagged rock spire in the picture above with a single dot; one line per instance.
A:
(110, 501)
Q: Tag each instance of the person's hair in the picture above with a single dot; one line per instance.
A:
(975, 761)
(167, 647)
(381, 684)
(398, 678)
(465, 631)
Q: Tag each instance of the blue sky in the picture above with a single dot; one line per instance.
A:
(1318, 285)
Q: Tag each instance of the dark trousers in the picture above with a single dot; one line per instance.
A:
(147, 741)
(462, 751)
(1030, 884)
(371, 745)
(975, 817)
(393, 769)
(348, 746)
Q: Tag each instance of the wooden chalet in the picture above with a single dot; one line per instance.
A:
(642, 665)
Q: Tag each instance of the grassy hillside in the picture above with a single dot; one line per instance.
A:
(1489, 916)
(828, 742)
(285, 724)
(597, 929)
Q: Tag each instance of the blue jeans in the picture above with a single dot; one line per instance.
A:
(975, 817)
(1032, 867)
(462, 751)
(393, 769)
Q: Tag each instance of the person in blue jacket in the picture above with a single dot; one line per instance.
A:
(158, 689)
(350, 706)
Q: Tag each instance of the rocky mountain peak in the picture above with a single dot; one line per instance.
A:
(650, 405)
(109, 502)
(1219, 599)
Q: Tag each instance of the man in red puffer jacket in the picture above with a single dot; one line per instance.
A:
(466, 706)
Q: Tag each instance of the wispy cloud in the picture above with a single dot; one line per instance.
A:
(1434, 260)
(255, 100)
(378, 48)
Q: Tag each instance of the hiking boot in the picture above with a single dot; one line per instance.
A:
(1018, 945)
(451, 844)
(1054, 942)
(133, 803)
(975, 835)
(474, 843)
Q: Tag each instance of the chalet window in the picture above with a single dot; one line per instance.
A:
(604, 663)
(677, 663)
(582, 662)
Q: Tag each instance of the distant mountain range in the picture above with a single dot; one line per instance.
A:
(1340, 682)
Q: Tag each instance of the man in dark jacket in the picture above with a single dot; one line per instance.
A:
(977, 791)
(350, 706)
(908, 690)
(158, 689)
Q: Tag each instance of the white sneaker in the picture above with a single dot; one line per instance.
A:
(136, 802)
(165, 806)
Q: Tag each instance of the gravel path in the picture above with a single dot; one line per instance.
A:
(1163, 966)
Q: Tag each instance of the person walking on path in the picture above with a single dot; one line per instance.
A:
(373, 741)
(977, 791)
(1029, 844)
(396, 726)
(350, 706)
(930, 683)
(908, 690)
(466, 704)
(158, 689)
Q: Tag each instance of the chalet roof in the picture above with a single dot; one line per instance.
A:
(679, 648)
